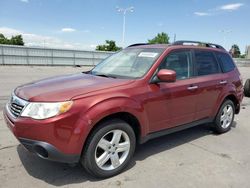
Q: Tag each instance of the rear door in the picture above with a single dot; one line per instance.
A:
(210, 81)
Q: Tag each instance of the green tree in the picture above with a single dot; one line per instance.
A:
(3, 40)
(17, 40)
(235, 51)
(110, 45)
(160, 38)
(201, 44)
(243, 56)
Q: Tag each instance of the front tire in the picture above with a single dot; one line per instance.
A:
(109, 149)
(225, 117)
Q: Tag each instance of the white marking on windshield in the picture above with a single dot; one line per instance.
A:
(148, 54)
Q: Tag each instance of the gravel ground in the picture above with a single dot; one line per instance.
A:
(191, 158)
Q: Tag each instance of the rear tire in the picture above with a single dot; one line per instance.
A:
(225, 117)
(247, 88)
(109, 149)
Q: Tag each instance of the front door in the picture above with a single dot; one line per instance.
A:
(173, 104)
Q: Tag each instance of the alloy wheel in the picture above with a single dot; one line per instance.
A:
(226, 116)
(112, 150)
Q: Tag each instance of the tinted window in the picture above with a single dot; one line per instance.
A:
(206, 63)
(180, 62)
(226, 62)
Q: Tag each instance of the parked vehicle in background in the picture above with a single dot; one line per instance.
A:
(142, 92)
(247, 88)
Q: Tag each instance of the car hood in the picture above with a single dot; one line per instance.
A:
(64, 88)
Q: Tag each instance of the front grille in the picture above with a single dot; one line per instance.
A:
(16, 105)
(16, 109)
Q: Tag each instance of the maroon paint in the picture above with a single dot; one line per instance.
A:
(156, 106)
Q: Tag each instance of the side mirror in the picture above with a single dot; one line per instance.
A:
(165, 75)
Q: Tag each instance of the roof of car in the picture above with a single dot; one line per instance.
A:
(141, 45)
(182, 44)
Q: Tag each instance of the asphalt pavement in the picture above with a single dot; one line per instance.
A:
(195, 157)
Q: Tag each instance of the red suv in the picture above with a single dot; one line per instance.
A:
(142, 92)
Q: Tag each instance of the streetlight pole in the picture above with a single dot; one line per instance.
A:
(124, 11)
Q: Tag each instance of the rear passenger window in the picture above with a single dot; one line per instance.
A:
(226, 62)
(206, 63)
(180, 62)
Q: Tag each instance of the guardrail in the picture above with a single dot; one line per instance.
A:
(22, 55)
(242, 62)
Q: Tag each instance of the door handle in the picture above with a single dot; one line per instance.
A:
(223, 82)
(192, 88)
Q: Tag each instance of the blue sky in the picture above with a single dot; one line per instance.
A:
(82, 24)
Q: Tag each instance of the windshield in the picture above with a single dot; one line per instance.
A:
(128, 63)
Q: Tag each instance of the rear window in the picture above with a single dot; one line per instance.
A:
(226, 62)
(206, 63)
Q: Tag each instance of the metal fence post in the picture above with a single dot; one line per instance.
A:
(52, 57)
(74, 56)
(93, 58)
(2, 55)
(27, 56)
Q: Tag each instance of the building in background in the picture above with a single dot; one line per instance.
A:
(248, 52)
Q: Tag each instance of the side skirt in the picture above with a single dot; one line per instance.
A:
(174, 129)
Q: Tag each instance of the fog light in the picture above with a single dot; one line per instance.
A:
(41, 152)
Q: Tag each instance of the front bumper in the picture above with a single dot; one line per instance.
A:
(48, 151)
(58, 139)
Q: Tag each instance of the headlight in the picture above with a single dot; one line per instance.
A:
(45, 110)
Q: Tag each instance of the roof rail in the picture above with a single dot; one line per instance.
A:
(211, 45)
(137, 44)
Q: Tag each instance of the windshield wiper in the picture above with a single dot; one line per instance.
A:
(105, 75)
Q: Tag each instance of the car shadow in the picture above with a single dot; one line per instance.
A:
(59, 174)
(171, 141)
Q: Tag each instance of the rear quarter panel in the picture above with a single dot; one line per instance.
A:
(234, 87)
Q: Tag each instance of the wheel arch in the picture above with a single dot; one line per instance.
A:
(236, 102)
(229, 96)
(127, 117)
(124, 116)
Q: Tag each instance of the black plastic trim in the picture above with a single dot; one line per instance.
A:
(137, 44)
(174, 129)
(53, 153)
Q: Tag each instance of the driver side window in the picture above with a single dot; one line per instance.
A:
(180, 62)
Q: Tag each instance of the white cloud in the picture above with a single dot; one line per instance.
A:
(68, 30)
(93, 46)
(24, 1)
(9, 31)
(233, 6)
(219, 10)
(31, 39)
(201, 13)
